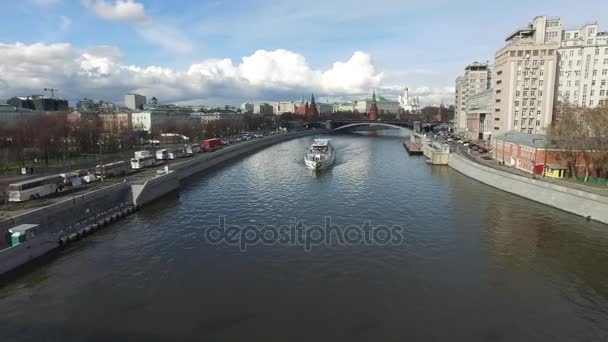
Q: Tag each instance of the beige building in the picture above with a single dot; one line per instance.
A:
(479, 115)
(525, 78)
(116, 122)
(477, 78)
(284, 107)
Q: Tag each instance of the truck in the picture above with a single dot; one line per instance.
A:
(142, 154)
(212, 143)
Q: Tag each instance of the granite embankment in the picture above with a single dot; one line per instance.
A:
(78, 214)
(579, 202)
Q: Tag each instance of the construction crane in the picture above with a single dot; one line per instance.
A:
(52, 91)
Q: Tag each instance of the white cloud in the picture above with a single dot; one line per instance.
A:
(100, 73)
(134, 13)
(122, 10)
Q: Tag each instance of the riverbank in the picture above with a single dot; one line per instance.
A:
(77, 214)
(583, 203)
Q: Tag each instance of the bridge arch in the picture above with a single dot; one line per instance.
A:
(372, 124)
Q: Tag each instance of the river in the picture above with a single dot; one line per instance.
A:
(463, 261)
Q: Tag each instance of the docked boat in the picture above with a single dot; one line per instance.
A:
(320, 155)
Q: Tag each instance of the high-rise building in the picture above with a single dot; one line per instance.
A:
(247, 107)
(543, 58)
(135, 101)
(262, 108)
(583, 67)
(525, 78)
(477, 78)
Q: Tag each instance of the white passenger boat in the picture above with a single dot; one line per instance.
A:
(320, 155)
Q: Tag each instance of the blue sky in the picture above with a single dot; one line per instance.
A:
(422, 44)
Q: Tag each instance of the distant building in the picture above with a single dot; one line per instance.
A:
(11, 116)
(345, 107)
(479, 116)
(384, 105)
(409, 104)
(263, 109)
(324, 108)
(39, 102)
(284, 107)
(116, 122)
(135, 101)
(153, 120)
(477, 78)
(247, 107)
(215, 116)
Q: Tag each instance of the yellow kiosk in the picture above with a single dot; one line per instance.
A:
(555, 170)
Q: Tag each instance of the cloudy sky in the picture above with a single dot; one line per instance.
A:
(223, 51)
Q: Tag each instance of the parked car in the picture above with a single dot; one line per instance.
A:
(482, 150)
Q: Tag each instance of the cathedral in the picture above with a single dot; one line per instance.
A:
(409, 104)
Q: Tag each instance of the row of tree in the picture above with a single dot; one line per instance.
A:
(580, 136)
(62, 136)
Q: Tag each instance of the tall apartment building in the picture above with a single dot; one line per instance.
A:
(525, 78)
(135, 101)
(583, 67)
(477, 78)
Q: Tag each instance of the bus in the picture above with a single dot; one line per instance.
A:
(140, 163)
(175, 153)
(118, 168)
(161, 154)
(35, 188)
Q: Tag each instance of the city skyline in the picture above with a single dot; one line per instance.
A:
(224, 52)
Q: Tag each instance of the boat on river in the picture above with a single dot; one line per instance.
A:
(320, 155)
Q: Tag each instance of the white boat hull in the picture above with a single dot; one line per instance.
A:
(319, 164)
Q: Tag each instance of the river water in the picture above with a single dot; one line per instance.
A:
(464, 262)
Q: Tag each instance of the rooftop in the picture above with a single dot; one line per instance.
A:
(530, 140)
